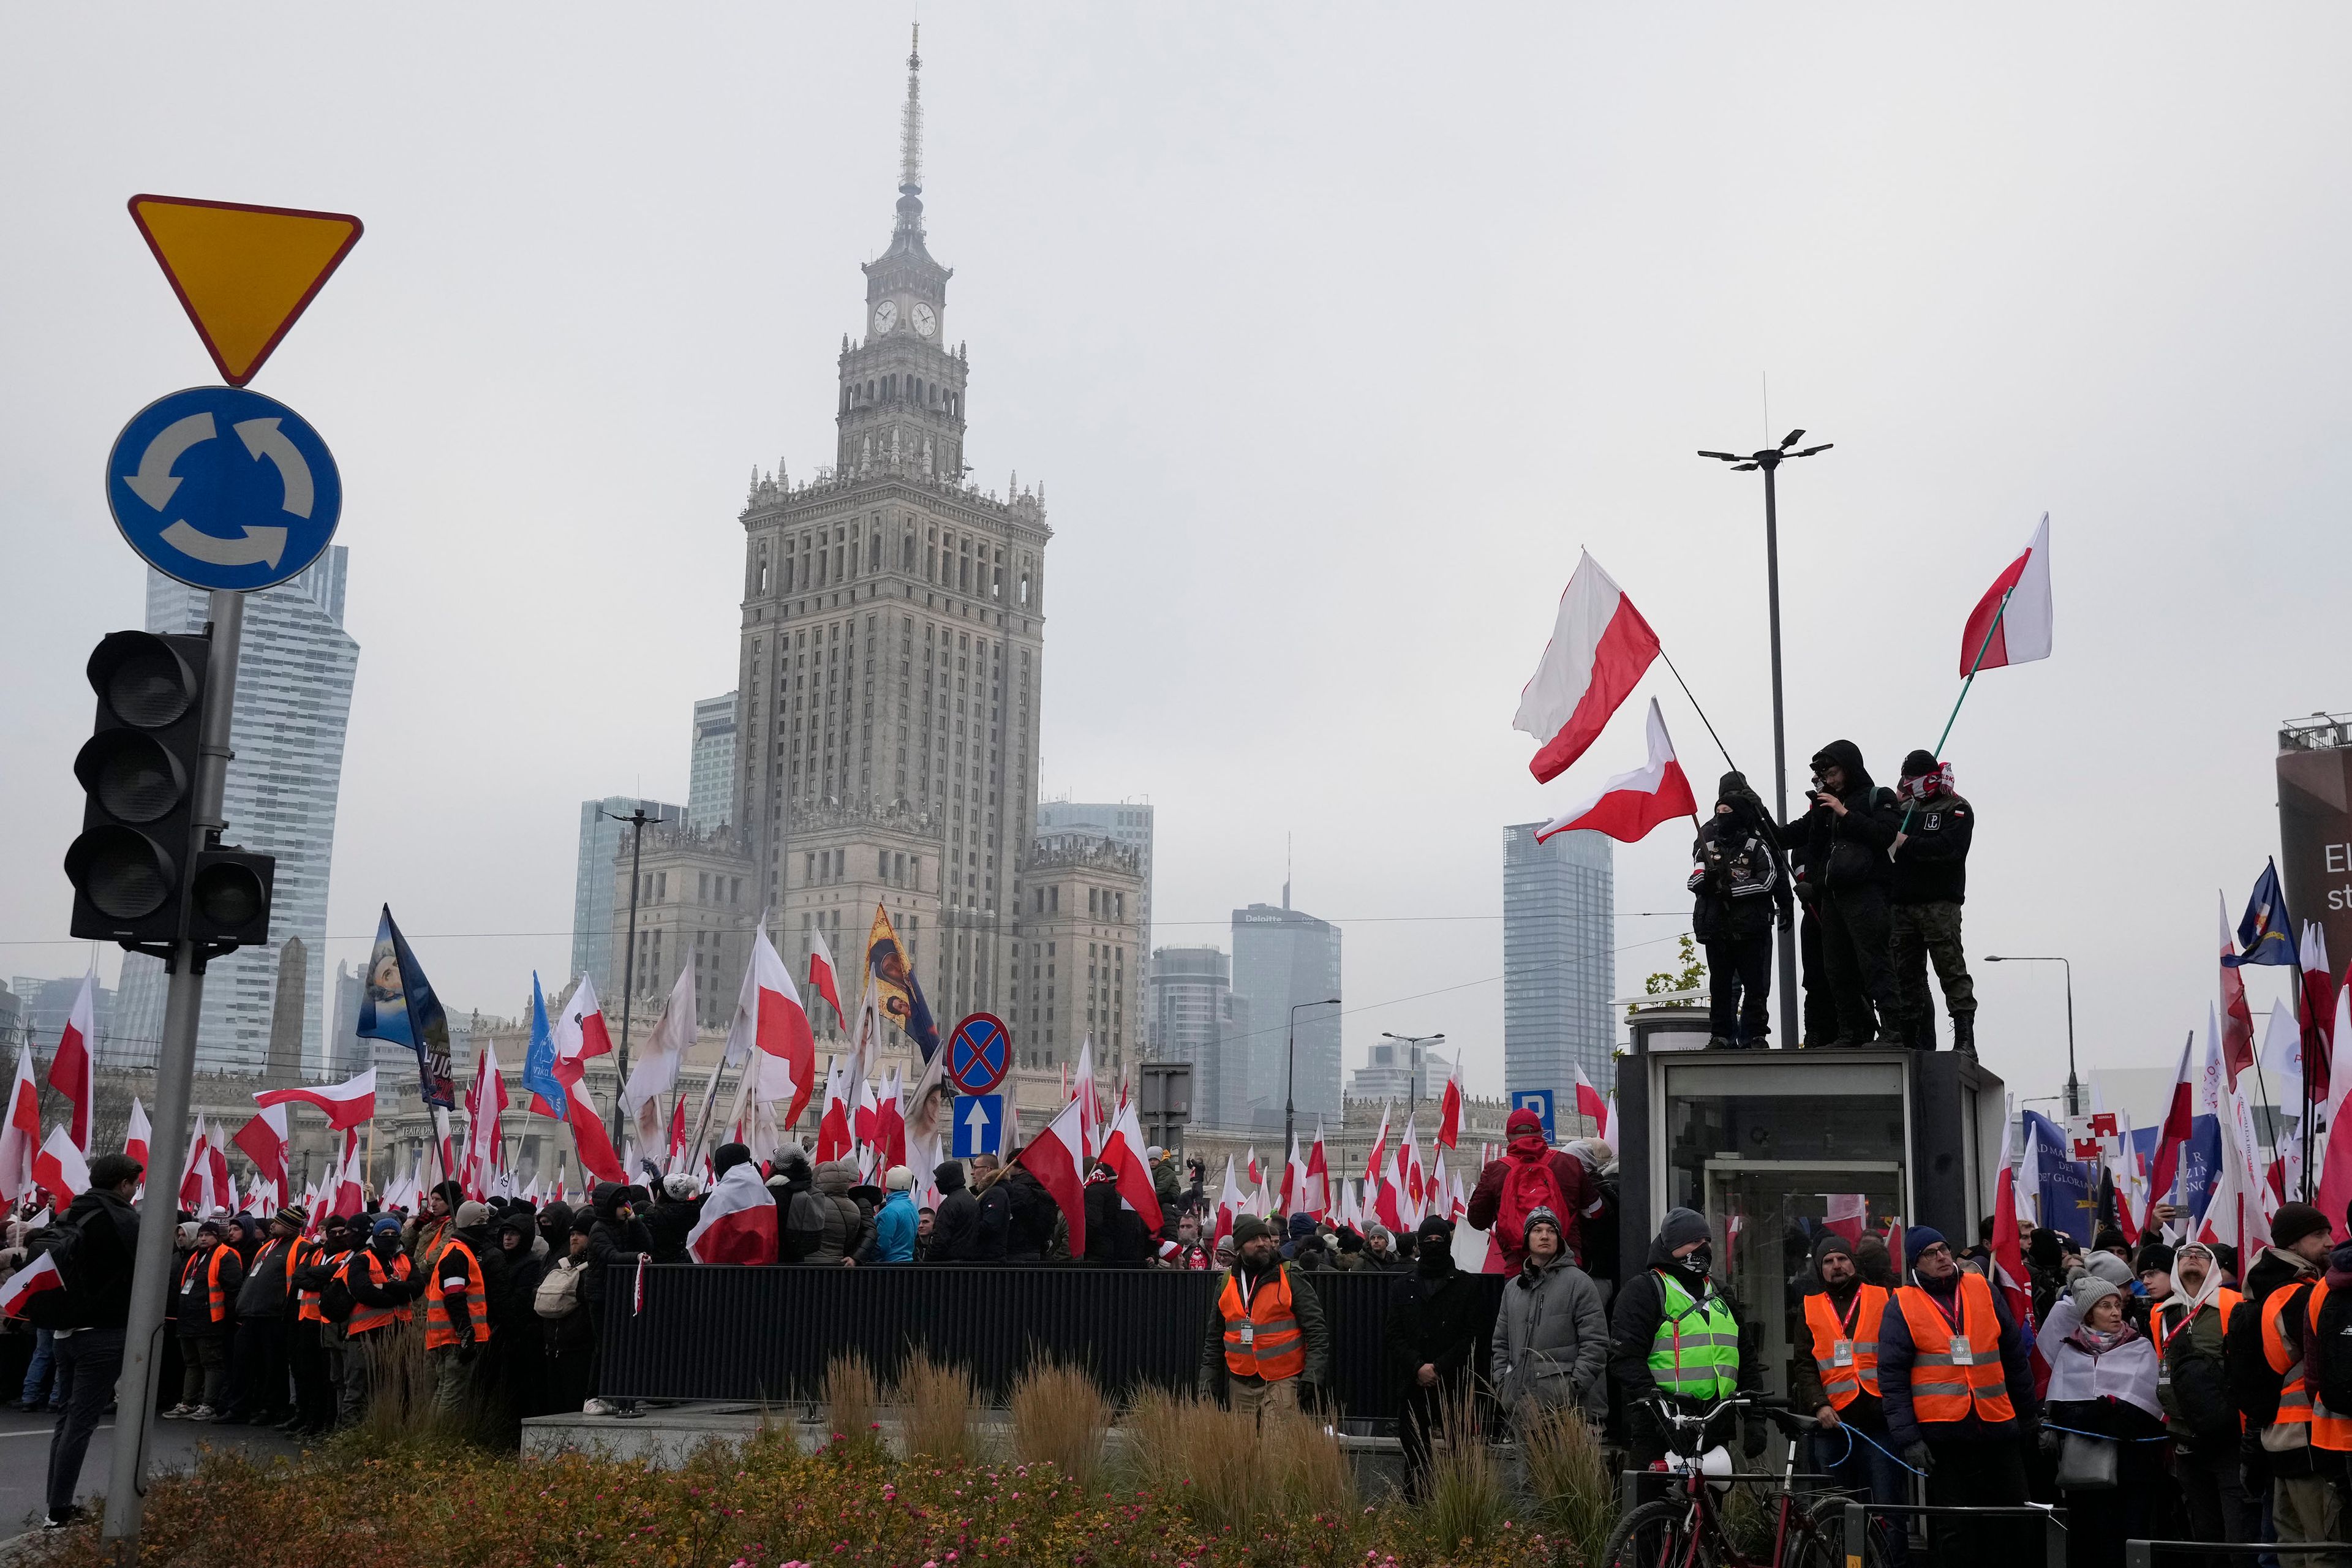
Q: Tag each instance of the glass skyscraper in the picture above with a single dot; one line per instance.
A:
(294, 680)
(1281, 957)
(1558, 967)
(601, 838)
(710, 786)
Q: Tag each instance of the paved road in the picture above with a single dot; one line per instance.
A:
(25, 1456)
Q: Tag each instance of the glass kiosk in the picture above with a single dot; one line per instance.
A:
(1774, 1146)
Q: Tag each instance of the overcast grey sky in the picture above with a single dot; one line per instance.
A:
(1333, 332)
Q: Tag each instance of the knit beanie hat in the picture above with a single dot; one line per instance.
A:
(1541, 1214)
(2089, 1290)
(470, 1214)
(1249, 1228)
(2293, 1222)
(1683, 1226)
(899, 1179)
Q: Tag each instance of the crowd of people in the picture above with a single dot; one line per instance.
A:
(1880, 876)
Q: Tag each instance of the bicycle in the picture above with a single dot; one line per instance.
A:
(1686, 1528)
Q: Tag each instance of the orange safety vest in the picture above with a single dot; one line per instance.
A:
(2225, 1301)
(311, 1312)
(1967, 1375)
(365, 1318)
(437, 1332)
(1857, 1375)
(2286, 1360)
(217, 1300)
(1262, 1339)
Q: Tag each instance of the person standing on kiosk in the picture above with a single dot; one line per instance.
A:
(1835, 1374)
(1958, 1384)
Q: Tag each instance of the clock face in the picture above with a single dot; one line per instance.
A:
(885, 315)
(925, 319)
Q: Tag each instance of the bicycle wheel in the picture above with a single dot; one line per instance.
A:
(1654, 1535)
(1826, 1540)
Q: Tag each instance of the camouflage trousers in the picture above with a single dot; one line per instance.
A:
(1925, 932)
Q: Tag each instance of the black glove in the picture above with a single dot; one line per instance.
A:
(1916, 1456)
(1752, 1438)
(466, 1351)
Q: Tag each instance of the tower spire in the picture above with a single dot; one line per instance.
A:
(910, 121)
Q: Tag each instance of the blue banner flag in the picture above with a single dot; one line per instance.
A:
(2063, 1183)
(398, 1005)
(538, 1062)
(2265, 935)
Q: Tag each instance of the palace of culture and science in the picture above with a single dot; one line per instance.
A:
(890, 683)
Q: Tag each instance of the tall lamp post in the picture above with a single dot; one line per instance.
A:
(1413, 1046)
(636, 820)
(2074, 1085)
(1769, 460)
(1290, 1072)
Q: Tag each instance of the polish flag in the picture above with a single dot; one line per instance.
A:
(2008, 1250)
(135, 1145)
(59, 1166)
(2316, 1005)
(580, 1037)
(20, 1136)
(1389, 1200)
(674, 1152)
(1249, 1166)
(1377, 1153)
(1449, 1108)
(2237, 1018)
(1630, 805)
(656, 1073)
(1082, 1090)
(69, 1069)
(891, 1122)
(2336, 1168)
(866, 1116)
(1609, 1122)
(216, 1158)
(263, 1138)
(739, 1221)
(1231, 1206)
(1123, 1152)
(1590, 1104)
(769, 1018)
(1600, 646)
(1412, 1182)
(1056, 1157)
(832, 1135)
(2010, 624)
(1294, 1175)
(823, 977)
(346, 1104)
(196, 1176)
(2173, 1135)
(350, 1180)
(1847, 1215)
(484, 1102)
(1318, 1188)
(27, 1282)
(531, 1192)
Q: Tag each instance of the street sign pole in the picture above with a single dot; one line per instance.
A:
(175, 1065)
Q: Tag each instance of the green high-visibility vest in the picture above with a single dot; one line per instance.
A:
(1695, 1350)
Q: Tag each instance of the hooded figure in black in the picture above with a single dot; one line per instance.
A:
(1736, 884)
(1437, 1314)
(1931, 880)
(617, 1237)
(1847, 859)
(955, 1227)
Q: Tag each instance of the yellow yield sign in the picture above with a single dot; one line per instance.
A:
(245, 274)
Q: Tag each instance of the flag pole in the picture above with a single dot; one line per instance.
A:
(1978, 663)
(1699, 711)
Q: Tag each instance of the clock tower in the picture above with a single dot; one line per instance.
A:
(901, 398)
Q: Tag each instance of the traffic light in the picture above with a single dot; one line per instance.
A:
(140, 876)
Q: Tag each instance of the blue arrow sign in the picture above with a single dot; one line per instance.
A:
(979, 1124)
(1537, 1100)
(222, 488)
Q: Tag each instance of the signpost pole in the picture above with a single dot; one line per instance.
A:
(175, 1065)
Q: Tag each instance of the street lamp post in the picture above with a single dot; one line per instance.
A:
(1413, 1046)
(2074, 1085)
(1769, 460)
(636, 820)
(1290, 1072)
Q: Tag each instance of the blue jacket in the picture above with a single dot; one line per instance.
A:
(1895, 1353)
(894, 1230)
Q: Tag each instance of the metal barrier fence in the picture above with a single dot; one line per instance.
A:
(741, 1333)
(1857, 1525)
(2142, 1553)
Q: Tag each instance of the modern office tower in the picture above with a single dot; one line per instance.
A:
(604, 835)
(1559, 969)
(1284, 959)
(711, 787)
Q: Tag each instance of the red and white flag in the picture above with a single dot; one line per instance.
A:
(891, 1122)
(1319, 1175)
(1082, 1093)
(823, 979)
(866, 1116)
(1630, 805)
(59, 1166)
(351, 1178)
(2335, 1190)
(216, 1160)
(27, 1282)
(485, 1100)
(69, 1069)
(1123, 1152)
(1056, 1157)
(1231, 1204)
(196, 1176)
(834, 1138)
(2316, 1010)
(135, 1144)
(1376, 1155)
(1250, 1172)
(739, 1220)
(580, 1037)
(2020, 633)
(1600, 646)
(1449, 1108)
(771, 1021)
(346, 1104)
(263, 1140)
(1590, 1104)
(20, 1135)
(2172, 1135)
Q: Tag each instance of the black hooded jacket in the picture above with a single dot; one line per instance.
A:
(1115, 1237)
(670, 1223)
(1932, 865)
(1736, 878)
(613, 1239)
(1029, 1234)
(1849, 852)
(955, 1224)
(1633, 1326)
(1435, 1319)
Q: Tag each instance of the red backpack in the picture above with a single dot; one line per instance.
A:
(1528, 1185)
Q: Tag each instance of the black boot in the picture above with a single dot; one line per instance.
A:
(1964, 1033)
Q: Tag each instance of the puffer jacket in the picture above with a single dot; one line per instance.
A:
(843, 1228)
(1849, 851)
(1551, 1339)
